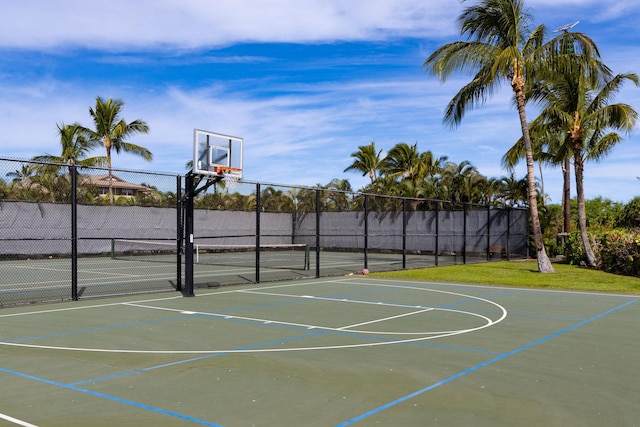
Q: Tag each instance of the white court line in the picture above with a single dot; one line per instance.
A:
(64, 284)
(384, 319)
(479, 286)
(31, 267)
(35, 286)
(379, 303)
(248, 291)
(227, 316)
(327, 328)
(16, 421)
(112, 304)
(109, 276)
(427, 336)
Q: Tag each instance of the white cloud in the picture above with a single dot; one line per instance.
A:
(117, 24)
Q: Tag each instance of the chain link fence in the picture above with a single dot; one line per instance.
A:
(122, 232)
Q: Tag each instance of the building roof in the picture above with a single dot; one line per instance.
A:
(102, 181)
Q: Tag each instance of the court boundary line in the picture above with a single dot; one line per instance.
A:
(108, 397)
(515, 288)
(86, 307)
(484, 364)
(16, 421)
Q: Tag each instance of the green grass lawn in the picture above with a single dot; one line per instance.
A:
(524, 274)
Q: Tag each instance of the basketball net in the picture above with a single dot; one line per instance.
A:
(230, 179)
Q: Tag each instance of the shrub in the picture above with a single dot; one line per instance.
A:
(620, 252)
(617, 251)
(574, 249)
(602, 214)
(630, 216)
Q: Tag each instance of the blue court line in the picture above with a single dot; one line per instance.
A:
(545, 316)
(418, 343)
(207, 315)
(97, 329)
(253, 307)
(280, 341)
(482, 365)
(194, 359)
(452, 347)
(140, 323)
(109, 397)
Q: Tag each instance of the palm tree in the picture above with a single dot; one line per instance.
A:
(274, 200)
(337, 194)
(304, 200)
(23, 176)
(501, 48)
(514, 191)
(386, 184)
(429, 165)
(578, 110)
(551, 144)
(367, 161)
(548, 149)
(75, 147)
(460, 180)
(401, 161)
(111, 131)
(488, 191)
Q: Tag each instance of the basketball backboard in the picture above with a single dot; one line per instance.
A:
(216, 154)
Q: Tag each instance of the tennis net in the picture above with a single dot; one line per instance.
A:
(276, 256)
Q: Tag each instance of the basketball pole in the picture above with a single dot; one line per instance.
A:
(187, 290)
(191, 191)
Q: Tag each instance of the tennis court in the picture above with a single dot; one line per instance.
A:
(138, 267)
(349, 350)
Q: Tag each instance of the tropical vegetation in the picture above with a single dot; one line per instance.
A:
(111, 131)
(502, 48)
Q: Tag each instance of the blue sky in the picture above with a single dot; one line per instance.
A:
(304, 82)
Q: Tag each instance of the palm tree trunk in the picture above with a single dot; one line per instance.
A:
(544, 264)
(108, 148)
(542, 184)
(566, 195)
(582, 215)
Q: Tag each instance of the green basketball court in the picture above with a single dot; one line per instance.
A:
(326, 352)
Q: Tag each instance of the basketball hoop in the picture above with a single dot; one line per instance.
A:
(230, 176)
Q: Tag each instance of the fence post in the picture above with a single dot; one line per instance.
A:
(437, 249)
(317, 233)
(509, 234)
(74, 232)
(488, 232)
(366, 231)
(258, 232)
(179, 233)
(465, 210)
(404, 233)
